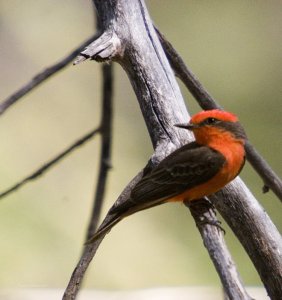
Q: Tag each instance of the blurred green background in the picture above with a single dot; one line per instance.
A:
(234, 48)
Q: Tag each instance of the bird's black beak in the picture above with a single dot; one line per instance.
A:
(188, 126)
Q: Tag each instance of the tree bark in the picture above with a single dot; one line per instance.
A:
(129, 38)
(206, 101)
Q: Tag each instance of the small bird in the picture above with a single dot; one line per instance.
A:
(193, 171)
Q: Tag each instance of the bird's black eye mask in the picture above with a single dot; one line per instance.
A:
(234, 127)
(209, 121)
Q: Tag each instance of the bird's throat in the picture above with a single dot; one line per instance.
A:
(228, 145)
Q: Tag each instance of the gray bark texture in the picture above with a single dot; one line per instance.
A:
(129, 38)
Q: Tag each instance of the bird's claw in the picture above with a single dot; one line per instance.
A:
(204, 220)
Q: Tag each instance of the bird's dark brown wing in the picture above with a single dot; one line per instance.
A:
(185, 168)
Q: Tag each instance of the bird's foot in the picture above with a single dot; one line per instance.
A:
(205, 220)
(204, 212)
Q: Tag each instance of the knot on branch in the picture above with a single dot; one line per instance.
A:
(104, 48)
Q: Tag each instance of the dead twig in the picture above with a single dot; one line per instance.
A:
(42, 76)
(89, 252)
(105, 156)
(44, 168)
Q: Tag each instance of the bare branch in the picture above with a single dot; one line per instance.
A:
(234, 204)
(162, 106)
(192, 83)
(258, 235)
(159, 97)
(42, 76)
(43, 169)
(105, 157)
(269, 177)
(90, 249)
(206, 101)
(213, 239)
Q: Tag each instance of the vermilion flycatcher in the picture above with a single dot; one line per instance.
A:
(193, 171)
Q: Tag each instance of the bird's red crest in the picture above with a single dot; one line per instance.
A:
(215, 113)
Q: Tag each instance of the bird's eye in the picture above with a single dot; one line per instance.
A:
(210, 121)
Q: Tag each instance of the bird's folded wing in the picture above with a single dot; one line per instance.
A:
(185, 168)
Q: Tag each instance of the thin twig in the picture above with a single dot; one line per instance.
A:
(206, 101)
(270, 179)
(105, 158)
(43, 169)
(90, 249)
(42, 76)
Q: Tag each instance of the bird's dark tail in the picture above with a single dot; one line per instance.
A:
(104, 229)
(117, 217)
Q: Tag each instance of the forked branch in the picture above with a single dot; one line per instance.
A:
(42, 76)
(233, 202)
(129, 38)
(160, 100)
(206, 101)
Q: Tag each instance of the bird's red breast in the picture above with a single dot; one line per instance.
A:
(232, 149)
(195, 170)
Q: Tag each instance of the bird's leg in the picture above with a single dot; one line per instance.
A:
(205, 220)
(204, 212)
(205, 200)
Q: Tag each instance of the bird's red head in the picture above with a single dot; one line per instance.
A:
(215, 125)
(216, 114)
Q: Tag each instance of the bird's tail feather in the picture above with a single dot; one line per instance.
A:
(104, 229)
